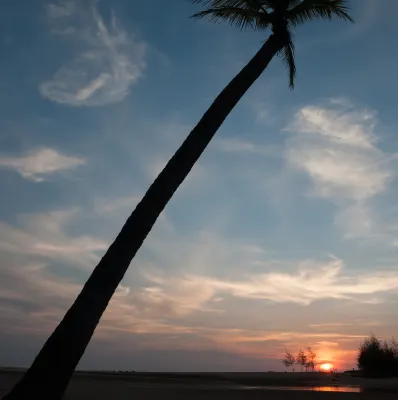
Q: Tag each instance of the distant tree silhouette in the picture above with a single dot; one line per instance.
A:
(289, 360)
(333, 370)
(304, 359)
(377, 359)
(301, 359)
(310, 364)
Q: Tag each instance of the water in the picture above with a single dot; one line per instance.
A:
(341, 389)
(344, 389)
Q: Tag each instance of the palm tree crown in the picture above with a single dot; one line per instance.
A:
(278, 15)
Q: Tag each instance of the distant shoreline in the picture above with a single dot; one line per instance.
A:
(228, 379)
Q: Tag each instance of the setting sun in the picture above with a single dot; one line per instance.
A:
(326, 367)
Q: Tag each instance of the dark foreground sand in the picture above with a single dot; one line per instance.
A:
(160, 387)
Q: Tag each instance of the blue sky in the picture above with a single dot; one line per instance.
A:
(285, 234)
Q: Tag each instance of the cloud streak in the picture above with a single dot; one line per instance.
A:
(45, 236)
(244, 146)
(313, 281)
(44, 297)
(38, 164)
(41, 299)
(180, 306)
(64, 8)
(105, 70)
(336, 147)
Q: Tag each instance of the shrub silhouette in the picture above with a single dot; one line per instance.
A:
(377, 359)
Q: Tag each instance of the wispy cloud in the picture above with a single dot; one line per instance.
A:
(64, 8)
(336, 146)
(176, 296)
(112, 205)
(43, 297)
(180, 302)
(31, 291)
(45, 236)
(312, 281)
(341, 325)
(38, 164)
(356, 220)
(245, 146)
(105, 70)
(39, 299)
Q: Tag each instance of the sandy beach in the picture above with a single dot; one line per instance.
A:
(229, 386)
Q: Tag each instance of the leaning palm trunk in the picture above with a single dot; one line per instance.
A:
(52, 369)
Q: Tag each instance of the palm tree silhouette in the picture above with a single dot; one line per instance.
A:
(52, 369)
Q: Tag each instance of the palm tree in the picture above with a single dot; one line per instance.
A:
(52, 369)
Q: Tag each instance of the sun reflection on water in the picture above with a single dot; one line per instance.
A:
(349, 389)
(341, 389)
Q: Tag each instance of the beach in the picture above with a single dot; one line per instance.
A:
(231, 386)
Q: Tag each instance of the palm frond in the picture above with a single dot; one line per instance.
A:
(294, 3)
(279, 15)
(253, 4)
(318, 9)
(287, 54)
(241, 13)
(240, 17)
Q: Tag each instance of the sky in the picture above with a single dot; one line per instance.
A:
(284, 235)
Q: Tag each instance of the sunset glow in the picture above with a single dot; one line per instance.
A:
(326, 367)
